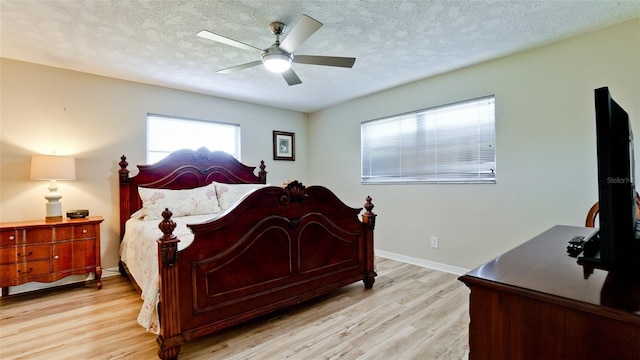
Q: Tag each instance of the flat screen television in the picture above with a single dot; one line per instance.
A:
(617, 237)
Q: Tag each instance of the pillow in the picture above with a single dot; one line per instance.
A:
(138, 214)
(198, 201)
(228, 194)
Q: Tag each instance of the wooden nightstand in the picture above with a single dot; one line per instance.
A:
(48, 251)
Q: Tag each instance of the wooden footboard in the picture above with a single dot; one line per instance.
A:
(277, 248)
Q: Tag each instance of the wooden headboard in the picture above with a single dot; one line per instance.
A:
(183, 169)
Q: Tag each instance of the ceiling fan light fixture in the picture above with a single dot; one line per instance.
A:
(276, 62)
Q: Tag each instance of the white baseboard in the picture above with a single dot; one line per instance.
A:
(421, 262)
(107, 272)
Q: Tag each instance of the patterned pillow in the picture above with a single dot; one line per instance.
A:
(198, 201)
(228, 194)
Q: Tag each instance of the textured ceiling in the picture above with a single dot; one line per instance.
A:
(395, 42)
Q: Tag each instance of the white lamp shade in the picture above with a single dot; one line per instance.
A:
(51, 167)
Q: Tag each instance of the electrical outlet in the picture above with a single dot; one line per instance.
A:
(434, 242)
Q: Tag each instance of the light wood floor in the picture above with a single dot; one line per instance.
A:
(411, 313)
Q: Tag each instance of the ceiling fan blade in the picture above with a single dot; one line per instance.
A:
(225, 40)
(291, 77)
(239, 67)
(305, 27)
(345, 62)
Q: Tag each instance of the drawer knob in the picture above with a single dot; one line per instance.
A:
(12, 237)
(84, 231)
(56, 257)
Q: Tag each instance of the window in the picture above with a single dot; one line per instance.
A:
(166, 134)
(453, 143)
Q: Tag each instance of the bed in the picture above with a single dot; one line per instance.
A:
(264, 249)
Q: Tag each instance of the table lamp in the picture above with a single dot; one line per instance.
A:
(53, 168)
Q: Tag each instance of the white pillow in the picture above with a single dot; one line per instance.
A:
(228, 194)
(198, 201)
(139, 214)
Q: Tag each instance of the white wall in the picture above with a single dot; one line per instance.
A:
(546, 154)
(97, 120)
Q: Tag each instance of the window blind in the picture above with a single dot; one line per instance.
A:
(166, 134)
(449, 143)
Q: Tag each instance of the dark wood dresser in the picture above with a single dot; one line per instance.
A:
(47, 251)
(537, 302)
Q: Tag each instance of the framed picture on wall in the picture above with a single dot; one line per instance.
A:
(284, 145)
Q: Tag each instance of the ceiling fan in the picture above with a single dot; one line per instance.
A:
(279, 56)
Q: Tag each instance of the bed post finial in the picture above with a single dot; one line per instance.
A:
(168, 242)
(368, 216)
(262, 174)
(123, 172)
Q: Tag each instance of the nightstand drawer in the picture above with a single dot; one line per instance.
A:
(14, 272)
(84, 232)
(75, 232)
(22, 236)
(24, 253)
(10, 237)
(35, 236)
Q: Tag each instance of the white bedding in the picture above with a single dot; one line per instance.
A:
(139, 251)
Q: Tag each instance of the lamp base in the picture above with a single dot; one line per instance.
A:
(54, 207)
